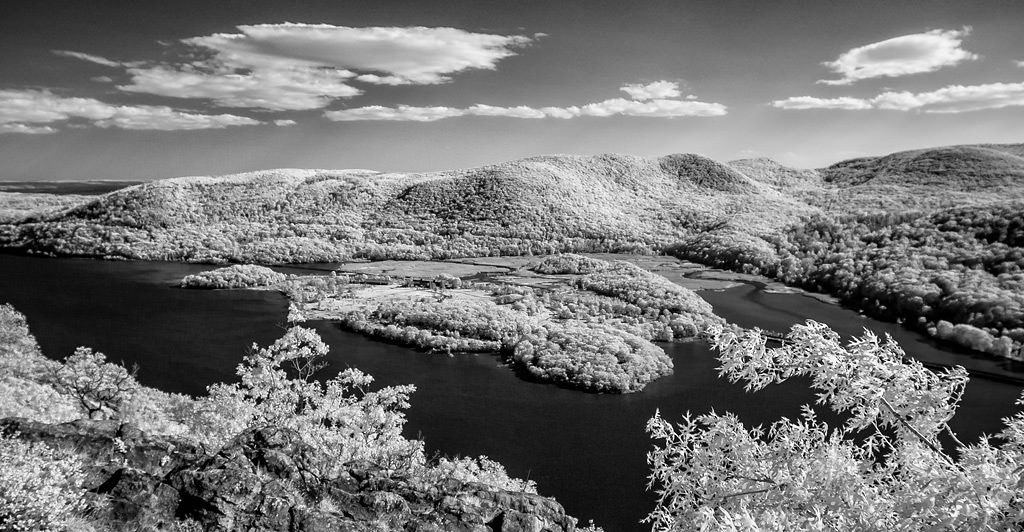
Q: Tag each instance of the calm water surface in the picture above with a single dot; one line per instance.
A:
(586, 450)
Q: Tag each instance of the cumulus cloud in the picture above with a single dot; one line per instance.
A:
(284, 123)
(306, 66)
(900, 56)
(951, 99)
(418, 55)
(34, 112)
(652, 91)
(660, 108)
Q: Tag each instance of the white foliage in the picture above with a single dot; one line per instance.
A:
(716, 474)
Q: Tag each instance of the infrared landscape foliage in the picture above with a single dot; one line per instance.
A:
(948, 262)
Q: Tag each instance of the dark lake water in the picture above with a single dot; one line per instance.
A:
(586, 450)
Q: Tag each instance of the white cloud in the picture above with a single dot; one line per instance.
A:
(520, 111)
(26, 129)
(166, 119)
(652, 91)
(88, 57)
(810, 102)
(900, 56)
(284, 123)
(951, 99)
(278, 88)
(405, 113)
(956, 98)
(32, 111)
(306, 66)
(614, 107)
(1019, 63)
(416, 54)
(653, 108)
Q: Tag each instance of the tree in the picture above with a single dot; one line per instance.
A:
(884, 469)
(100, 387)
(341, 417)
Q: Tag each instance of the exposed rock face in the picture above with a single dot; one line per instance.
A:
(265, 479)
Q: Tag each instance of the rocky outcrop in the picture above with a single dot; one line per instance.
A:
(267, 479)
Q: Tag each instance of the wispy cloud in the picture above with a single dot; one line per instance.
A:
(653, 108)
(291, 66)
(951, 99)
(646, 105)
(900, 56)
(652, 91)
(280, 88)
(811, 102)
(1019, 63)
(36, 112)
(26, 129)
(89, 57)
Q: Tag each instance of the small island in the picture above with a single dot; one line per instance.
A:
(592, 328)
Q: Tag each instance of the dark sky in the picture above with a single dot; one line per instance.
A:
(144, 89)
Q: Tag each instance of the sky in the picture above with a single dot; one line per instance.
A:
(141, 89)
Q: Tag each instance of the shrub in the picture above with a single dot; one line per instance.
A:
(40, 488)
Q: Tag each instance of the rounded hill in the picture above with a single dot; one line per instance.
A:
(967, 168)
(537, 205)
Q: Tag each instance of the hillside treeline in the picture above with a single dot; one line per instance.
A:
(956, 273)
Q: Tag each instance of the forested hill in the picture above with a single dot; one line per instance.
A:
(969, 168)
(536, 205)
(931, 237)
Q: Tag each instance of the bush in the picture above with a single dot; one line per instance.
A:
(40, 488)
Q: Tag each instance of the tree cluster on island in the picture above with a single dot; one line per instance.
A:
(619, 309)
(235, 276)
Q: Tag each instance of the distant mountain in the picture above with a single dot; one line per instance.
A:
(965, 168)
(769, 172)
(535, 205)
(538, 205)
(85, 188)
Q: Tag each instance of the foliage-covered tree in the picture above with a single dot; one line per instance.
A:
(341, 416)
(884, 469)
(101, 388)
